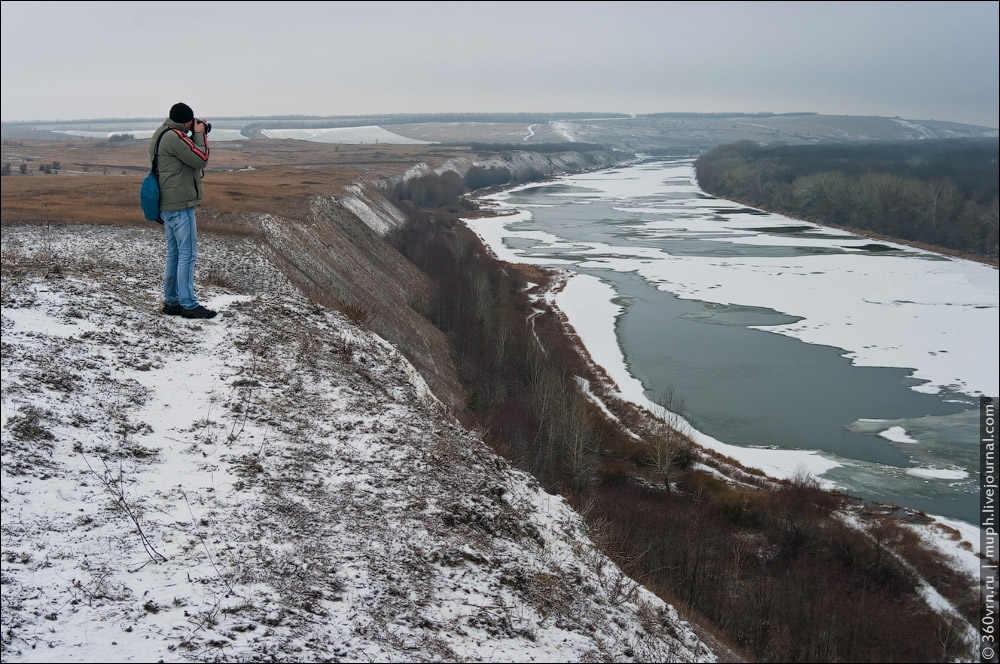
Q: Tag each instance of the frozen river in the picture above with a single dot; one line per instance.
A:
(792, 345)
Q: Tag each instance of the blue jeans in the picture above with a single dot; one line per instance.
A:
(182, 250)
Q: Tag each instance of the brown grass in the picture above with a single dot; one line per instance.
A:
(98, 182)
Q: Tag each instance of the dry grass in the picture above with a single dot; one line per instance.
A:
(98, 182)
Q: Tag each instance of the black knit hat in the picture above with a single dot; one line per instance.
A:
(181, 113)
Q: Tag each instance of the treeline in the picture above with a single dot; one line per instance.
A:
(941, 193)
(772, 571)
(722, 115)
(524, 397)
(433, 190)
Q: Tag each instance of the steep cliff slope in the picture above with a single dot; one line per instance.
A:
(336, 254)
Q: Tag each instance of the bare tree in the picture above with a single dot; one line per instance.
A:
(667, 440)
(578, 440)
(935, 194)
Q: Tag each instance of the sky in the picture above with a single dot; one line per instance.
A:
(915, 60)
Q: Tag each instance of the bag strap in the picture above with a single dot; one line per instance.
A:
(156, 152)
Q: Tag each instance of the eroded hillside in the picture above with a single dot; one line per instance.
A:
(277, 484)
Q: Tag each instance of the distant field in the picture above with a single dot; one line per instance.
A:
(98, 182)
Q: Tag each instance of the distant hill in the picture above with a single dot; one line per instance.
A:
(660, 133)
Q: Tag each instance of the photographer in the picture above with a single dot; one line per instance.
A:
(180, 165)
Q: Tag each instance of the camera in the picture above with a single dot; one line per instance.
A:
(208, 126)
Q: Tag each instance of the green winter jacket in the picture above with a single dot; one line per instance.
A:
(180, 163)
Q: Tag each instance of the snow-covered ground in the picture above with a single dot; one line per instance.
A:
(369, 134)
(275, 484)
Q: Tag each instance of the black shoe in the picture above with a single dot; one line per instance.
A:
(172, 310)
(198, 312)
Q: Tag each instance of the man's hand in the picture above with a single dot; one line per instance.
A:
(199, 126)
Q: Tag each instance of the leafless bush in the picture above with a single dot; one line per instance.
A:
(29, 425)
(12, 268)
(355, 312)
(101, 585)
(666, 442)
(114, 483)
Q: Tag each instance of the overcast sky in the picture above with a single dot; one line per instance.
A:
(87, 60)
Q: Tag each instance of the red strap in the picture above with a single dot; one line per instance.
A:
(194, 148)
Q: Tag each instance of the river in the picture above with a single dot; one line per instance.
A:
(778, 333)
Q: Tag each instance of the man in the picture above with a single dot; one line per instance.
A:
(180, 163)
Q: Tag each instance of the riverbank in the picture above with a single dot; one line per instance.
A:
(992, 261)
(573, 299)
